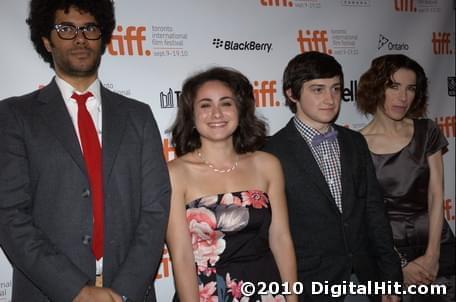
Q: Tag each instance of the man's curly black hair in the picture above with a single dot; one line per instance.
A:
(42, 15)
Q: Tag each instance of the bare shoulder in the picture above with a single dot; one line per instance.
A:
(178, 167)
(267, 161)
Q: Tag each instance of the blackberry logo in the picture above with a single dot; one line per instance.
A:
(217, 43)
(242, 45)
(360, 3)
(451, 86)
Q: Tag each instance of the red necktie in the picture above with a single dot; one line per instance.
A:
(92, 156)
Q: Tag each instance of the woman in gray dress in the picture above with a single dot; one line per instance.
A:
(407, 153)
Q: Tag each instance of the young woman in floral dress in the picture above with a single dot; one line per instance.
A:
(228, 223)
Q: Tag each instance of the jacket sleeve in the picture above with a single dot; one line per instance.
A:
(27, 247)
(144, 255)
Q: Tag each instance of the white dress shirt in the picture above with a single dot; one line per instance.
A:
(93, 105)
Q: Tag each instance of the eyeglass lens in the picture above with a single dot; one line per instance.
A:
(70, 31)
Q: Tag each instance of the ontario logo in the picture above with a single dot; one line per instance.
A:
(384, 41)
(232, 45)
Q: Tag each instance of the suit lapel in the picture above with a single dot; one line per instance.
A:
(114, 121)
(346, 165)
(55, 114)
(305, 159)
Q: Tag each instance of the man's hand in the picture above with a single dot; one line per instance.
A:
(97, 294)
(390, 298)
(116, 297)
(414, 273)
(430, 264)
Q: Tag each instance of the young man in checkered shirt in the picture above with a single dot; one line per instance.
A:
(337, 218)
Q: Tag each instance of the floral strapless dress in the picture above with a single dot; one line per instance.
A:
(231, 246)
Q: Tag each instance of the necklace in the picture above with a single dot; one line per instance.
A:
(214, 168)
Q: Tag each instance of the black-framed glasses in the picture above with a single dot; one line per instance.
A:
(68, 31)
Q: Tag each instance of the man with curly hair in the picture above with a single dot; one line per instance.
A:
(84, 189)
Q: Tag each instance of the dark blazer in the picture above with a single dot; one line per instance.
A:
(330, 245)
(45, 205)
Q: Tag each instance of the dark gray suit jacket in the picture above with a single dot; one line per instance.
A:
(45, 205)
(330, 245)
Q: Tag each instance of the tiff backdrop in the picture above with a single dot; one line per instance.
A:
(157, 44)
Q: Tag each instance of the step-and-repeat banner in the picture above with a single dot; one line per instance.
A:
(157, 44)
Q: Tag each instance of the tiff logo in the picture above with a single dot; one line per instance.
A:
(165, 265)
(316, 40)
(168, 150)
(447, 125)
(167, 99)
(404, 5)
(284, 3)
(447, 206)
(264, 93)
(440, 43)
(130, 40)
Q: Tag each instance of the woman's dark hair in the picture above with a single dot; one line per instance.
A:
(251, 131)
(42, 17)
(373, 83)
(306, 67)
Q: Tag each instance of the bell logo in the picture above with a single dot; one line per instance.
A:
(284, 3)
(404, 5)
(440, 43)
(316, 40)
(128, 42)
(264, 93)
(349, 93)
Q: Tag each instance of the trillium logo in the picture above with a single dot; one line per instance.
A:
(382, 40)
(241, 45)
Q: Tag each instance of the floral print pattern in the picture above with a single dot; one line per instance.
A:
(207, 242)
(215, 220)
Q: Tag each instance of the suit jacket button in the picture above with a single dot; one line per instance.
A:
(85, 193)
(86, 239)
